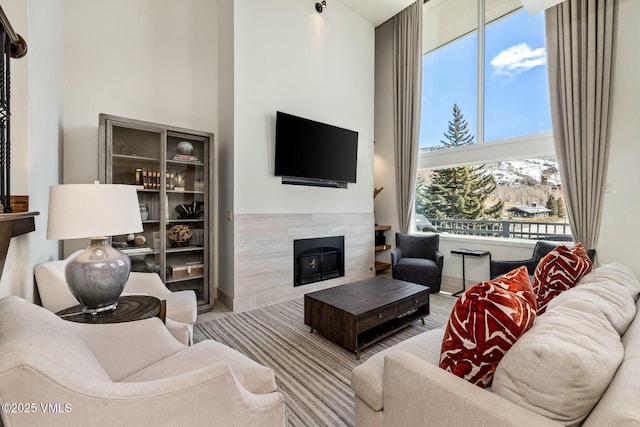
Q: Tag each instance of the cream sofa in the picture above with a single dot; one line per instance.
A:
(59, 373)
(578, 365)
(182, 307)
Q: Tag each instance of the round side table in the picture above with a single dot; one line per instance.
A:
(129, 309)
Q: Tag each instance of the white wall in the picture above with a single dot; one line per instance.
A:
(287, 57)
(36, 96)
(153, 60)
(319, 66)
(620, 228)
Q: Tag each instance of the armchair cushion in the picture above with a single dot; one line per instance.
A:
(418, 246)
(254, 377)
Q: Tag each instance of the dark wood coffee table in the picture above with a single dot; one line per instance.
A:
(359, 314)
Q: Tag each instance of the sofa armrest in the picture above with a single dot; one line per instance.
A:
(396, 254)
(439, 260)
(416, 391)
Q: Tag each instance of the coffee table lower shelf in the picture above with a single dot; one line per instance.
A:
(372, 336)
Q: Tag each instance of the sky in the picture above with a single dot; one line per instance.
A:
(516, 89)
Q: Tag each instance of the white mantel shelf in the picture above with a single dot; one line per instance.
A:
(12, 225)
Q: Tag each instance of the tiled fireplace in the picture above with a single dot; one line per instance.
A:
(263, 248)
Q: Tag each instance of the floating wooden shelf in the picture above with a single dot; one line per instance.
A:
(383, 248)
(12, 225)
(381, 266)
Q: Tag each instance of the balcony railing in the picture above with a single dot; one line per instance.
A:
(555, 231)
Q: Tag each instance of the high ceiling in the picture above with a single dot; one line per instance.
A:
(376, 11)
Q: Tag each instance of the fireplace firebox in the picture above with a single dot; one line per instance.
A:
(317, 259)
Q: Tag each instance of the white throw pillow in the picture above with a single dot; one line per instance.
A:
(611, 298)
(561, 367)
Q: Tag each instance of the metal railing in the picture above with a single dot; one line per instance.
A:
(533, 230)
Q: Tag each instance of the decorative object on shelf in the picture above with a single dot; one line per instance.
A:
(179, 235)
(189, 269)
(96, 277)
(179, 185)
(185, 148)
(190, 211)
(185, 152)
(144, 211)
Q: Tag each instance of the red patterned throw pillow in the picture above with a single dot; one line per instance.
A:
(558, 271)
(484, 323)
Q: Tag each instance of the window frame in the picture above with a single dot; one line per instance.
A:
(539, 144)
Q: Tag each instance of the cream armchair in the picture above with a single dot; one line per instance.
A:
(182, 308)
(59, 373)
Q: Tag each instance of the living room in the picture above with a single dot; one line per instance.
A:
(226, 67)
(59, 91)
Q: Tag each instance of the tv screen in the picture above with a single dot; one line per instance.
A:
(314, 150)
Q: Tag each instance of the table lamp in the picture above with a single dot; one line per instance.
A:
(96, 277)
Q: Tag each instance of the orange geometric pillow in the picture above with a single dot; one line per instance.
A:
(484, 323)
(558, 271)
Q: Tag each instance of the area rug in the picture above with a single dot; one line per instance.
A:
(312, 372)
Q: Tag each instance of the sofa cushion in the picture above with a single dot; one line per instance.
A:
(366, 379)
(558, 271)
(561, 367)
(611, 298)
(619, 404)
(484, 323)
(617, 272)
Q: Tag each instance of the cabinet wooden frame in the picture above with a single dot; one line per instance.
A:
(152, 147)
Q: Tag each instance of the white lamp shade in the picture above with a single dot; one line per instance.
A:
(92, 210)
(535, 6)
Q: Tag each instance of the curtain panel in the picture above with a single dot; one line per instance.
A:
(407, 99)
(580, 37)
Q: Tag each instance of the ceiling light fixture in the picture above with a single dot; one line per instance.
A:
(320, 6)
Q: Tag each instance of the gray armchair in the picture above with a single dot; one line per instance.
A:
(501, 266)
(417, 259)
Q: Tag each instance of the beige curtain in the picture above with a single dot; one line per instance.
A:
(407, 99)
(580, 44)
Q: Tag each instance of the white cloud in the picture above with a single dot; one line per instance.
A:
(517, 59)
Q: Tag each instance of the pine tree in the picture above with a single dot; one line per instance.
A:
(561, 211)
(460, 192)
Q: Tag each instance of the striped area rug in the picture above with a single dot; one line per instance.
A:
(312, 373)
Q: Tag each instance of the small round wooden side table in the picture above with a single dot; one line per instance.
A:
(129, 309)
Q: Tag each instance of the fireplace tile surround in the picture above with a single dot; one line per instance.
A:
(263, 249)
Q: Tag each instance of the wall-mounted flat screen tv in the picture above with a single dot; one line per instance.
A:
(315, 151)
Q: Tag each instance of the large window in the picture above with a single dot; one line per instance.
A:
(487, 164)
